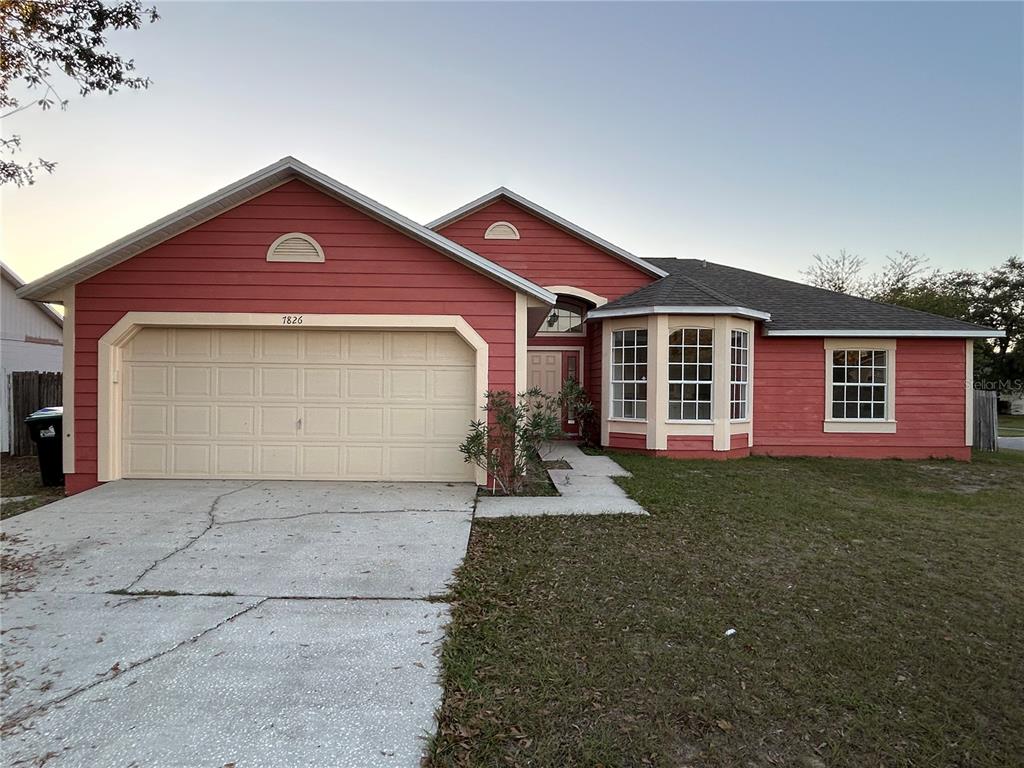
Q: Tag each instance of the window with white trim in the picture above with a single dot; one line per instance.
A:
(690, 374)
(860, 384)
(739, 375)
(562, 319)
(629, 374)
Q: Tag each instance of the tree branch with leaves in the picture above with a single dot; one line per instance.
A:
(45, 43)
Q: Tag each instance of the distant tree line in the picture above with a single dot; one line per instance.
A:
(994, 298)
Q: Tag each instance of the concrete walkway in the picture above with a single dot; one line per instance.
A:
(1011, 443)
(586, 489)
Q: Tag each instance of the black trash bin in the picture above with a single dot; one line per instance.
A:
(45, 426)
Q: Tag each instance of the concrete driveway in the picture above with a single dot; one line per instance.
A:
(209, 623)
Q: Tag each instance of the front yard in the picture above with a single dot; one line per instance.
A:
(878, 610)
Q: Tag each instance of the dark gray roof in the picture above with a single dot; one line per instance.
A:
(794, 307)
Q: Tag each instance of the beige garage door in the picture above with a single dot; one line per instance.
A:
(310, 404)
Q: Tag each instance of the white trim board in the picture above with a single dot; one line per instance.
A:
(860, 332)
(284, 170)
(754, 314)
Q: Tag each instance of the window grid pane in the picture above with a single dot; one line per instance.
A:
(739, 354)
(859, 384)
(690, 374)
(562, 320)
(629, 374)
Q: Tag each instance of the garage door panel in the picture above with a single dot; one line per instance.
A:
(279, 382)
(193, 420)
(235, 460)
(364, 383)
(364, 462)
(279, 460)
(323, 346)
(146, 420)
(365, 348)
(146, 380)
(408, 384)
(295, 403)
(237, 345)
(146, 459)
(447, 348)
(321, 461)
(236, 382)
(451, 383)
(236, 420)
(192, 344)
(151, 344)
(190, 459)
(322, 422)
(409, 461)
(191, 382)
(451, 422)
(408, 422)
(321, 383)
(279, 421)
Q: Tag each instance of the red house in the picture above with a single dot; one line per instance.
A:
(289, 327)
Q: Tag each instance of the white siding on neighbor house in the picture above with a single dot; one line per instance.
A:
(30, 340)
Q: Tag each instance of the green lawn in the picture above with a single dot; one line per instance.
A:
(1011, 426)
(20, 477)
(878, 609)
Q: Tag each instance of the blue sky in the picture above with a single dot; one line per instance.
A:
(750, 134)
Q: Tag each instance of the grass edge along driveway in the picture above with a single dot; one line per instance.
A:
(878, 608)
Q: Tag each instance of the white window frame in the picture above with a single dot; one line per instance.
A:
(887, 424)
(618, 339)
(683, 381)
(741, 366)
(577, 310)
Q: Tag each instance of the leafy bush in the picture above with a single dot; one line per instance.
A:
(506, 442)
(576, 401)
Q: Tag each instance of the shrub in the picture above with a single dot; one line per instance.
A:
(506, 442)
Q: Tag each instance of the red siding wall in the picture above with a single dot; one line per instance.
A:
(544, 253)
(221, 266)
(789, 402)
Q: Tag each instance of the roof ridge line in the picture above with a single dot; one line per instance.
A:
(842, 294)
(723, 297)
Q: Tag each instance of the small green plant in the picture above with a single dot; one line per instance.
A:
(579, 407)
(506, 442)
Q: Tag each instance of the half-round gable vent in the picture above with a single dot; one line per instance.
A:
(295, 246)
(501, 230)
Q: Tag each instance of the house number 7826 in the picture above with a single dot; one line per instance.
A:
(291, 319)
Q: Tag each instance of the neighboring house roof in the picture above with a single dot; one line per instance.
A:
(503, 193)
(283, 170)
(12, 277)
(794, 309)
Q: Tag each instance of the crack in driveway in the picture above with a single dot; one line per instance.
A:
(33, 710)
(333, 512)
(209, 525)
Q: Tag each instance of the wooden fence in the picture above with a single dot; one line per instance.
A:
(30, 391)
(986, 424)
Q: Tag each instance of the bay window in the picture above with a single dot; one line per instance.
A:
(629, 374)
(690, 374)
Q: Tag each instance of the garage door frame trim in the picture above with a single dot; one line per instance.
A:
(112, 343)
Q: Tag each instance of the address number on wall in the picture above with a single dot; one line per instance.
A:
(291, 319)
